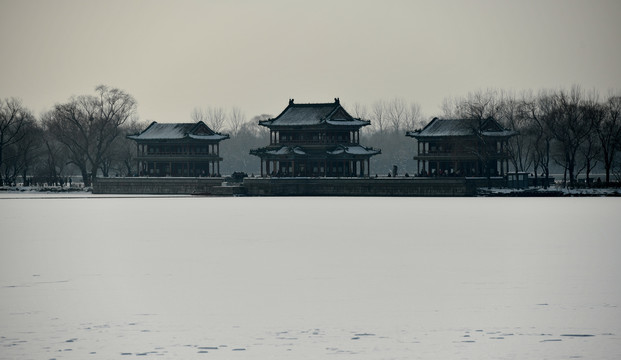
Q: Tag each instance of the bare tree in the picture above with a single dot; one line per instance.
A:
(249, 136)
(215, 118)
(609, 132)
(55, 155)
(13, 116)
(449, 107)
(378, 120)
(360, 111)
(513, 114)
(570, 127)
(396, 114)
(198, 115)
(259, 131)
(29, 148)
(590, 149)
(122, 157)
(476, 105)
(235, 120)
(535, 111)
(414, 117)
(88, 126)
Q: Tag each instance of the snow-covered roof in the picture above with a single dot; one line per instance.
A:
(298, 150)
(287, 150)
(314, 114)
(208, 137)
(353, 150)
(178, 131)
(462, 127)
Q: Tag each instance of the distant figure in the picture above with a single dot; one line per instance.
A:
(394, 170)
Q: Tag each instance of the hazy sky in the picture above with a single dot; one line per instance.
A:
(173, 56)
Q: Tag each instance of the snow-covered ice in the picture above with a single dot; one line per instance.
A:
(309, 278)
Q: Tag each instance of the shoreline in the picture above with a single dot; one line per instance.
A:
(480, 192)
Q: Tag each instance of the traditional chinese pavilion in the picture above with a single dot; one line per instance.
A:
(181, 149)
(462, 147)
(318, 140)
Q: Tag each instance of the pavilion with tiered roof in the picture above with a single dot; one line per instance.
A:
(315, 140)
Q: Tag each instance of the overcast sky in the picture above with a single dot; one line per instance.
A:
(174, 56)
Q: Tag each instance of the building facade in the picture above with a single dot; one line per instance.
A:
(180, 149)
(462, 147)
(315, 140)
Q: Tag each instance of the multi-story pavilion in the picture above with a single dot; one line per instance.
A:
(315, 140)
(181, 149)
(462, 147)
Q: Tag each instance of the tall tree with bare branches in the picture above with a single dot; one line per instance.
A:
(571, 128)
(214, 117)
(397, 112)
(13, 117)
(609, 132)
(87, 126)
(378, 120)
(235, 120)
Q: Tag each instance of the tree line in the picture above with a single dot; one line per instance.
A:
(85, 134)
(570, 129)
(573, 130)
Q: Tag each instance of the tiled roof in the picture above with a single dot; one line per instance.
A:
(314, 114)
(285, 150)
(354, 150)
(177, 131)
(299, 150)
(462, 127)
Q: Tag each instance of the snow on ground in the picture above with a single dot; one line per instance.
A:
(309, 278)
(556, 190)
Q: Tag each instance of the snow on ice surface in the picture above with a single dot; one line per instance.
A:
(284, 278)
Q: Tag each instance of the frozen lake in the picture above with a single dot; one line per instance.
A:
(309, 278)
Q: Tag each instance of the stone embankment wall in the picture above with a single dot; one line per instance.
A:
(403, 186)
(156, 185)
(358, 187)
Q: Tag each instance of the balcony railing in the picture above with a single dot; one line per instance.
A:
(162, 155)
(313, 142)
(462, 152)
